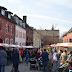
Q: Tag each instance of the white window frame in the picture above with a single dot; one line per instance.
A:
(2, 12)
(23, 25)
(9, 16)
(11, 41)
(6, 28)
(6, 40)
(11, 30)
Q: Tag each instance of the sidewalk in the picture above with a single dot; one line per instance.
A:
(22, 68)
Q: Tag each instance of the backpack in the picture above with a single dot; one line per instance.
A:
(55, 57)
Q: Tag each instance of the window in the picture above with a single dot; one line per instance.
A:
(11, 41)
(7, 40)
(23, 35)
(11, 29)
(31, 39)
(70, 40)
(0, 25)
(23, 24)
(20, 44)
(6, 28)
(67, 40)
(20, 34)
(27, 38)
(2, 12)
(9, 16)
(16, 19)
(16, 43)
(16, 33)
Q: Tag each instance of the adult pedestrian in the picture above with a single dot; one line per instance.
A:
(27, 58)
(59, 54)
(8, 55)
(21, 52)
(15, 59)
(3, 61)
(45, 60)
(64, 56)
(55, 61)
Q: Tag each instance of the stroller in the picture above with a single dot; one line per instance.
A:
(33, 64)
(63, 68)
(40, 63)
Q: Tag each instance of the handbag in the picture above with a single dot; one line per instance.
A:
(20, 58)
(54, 58)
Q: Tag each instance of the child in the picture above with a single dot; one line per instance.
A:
(62, 62)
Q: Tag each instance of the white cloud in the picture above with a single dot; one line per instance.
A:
(49, 18)
(13, 1)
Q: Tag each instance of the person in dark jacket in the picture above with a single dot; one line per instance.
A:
(8, 55)
(15, 59)
(45, 60)
(3, 62)
(27, 58)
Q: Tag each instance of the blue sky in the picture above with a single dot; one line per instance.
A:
(42, 14)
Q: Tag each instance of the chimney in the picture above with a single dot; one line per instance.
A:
(24, 18)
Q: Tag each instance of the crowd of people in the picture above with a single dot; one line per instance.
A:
(16, 56)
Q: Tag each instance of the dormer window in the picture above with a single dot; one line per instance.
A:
(2, 12)
(16, 19)
(20, 22)
(23, 24)
(9, 16)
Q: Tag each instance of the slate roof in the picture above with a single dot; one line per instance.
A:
(70, 31)
(1, 7)
(6, 15)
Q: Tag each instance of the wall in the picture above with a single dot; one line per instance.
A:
(18, 38)
(36, 38)
(3, 34)
(67, 37)
(29, 34)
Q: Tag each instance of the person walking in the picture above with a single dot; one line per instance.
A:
(45, 60)
(8, 55)
(3, 61)
(59, 54)
(21, 53)
(55, 61)
(15, 59)
(64, 56)
(27, 58)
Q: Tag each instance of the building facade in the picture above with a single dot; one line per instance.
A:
(67, 37)
(7, 26)
(20, 32)
(49, 37)
(29, 33)
(36, 39)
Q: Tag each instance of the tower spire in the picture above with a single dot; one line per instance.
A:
(52, 27)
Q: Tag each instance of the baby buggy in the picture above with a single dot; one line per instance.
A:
(40, 63)
(33, 64)
(63, 68)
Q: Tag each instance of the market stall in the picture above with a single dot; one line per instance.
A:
(64, 46)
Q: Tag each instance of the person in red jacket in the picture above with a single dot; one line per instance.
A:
(21, 53)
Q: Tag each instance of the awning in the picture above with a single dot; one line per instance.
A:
(58, 44)
(4, 44)
(64, 44)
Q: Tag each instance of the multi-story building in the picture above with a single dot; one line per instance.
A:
(36, 38)
(49, 37)
(67, 37)
(20, 32)
(7, 26)
(29, 32)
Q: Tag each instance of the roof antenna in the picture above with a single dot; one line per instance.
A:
(52, 27)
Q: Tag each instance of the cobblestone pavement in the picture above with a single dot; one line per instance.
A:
(22, 68)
